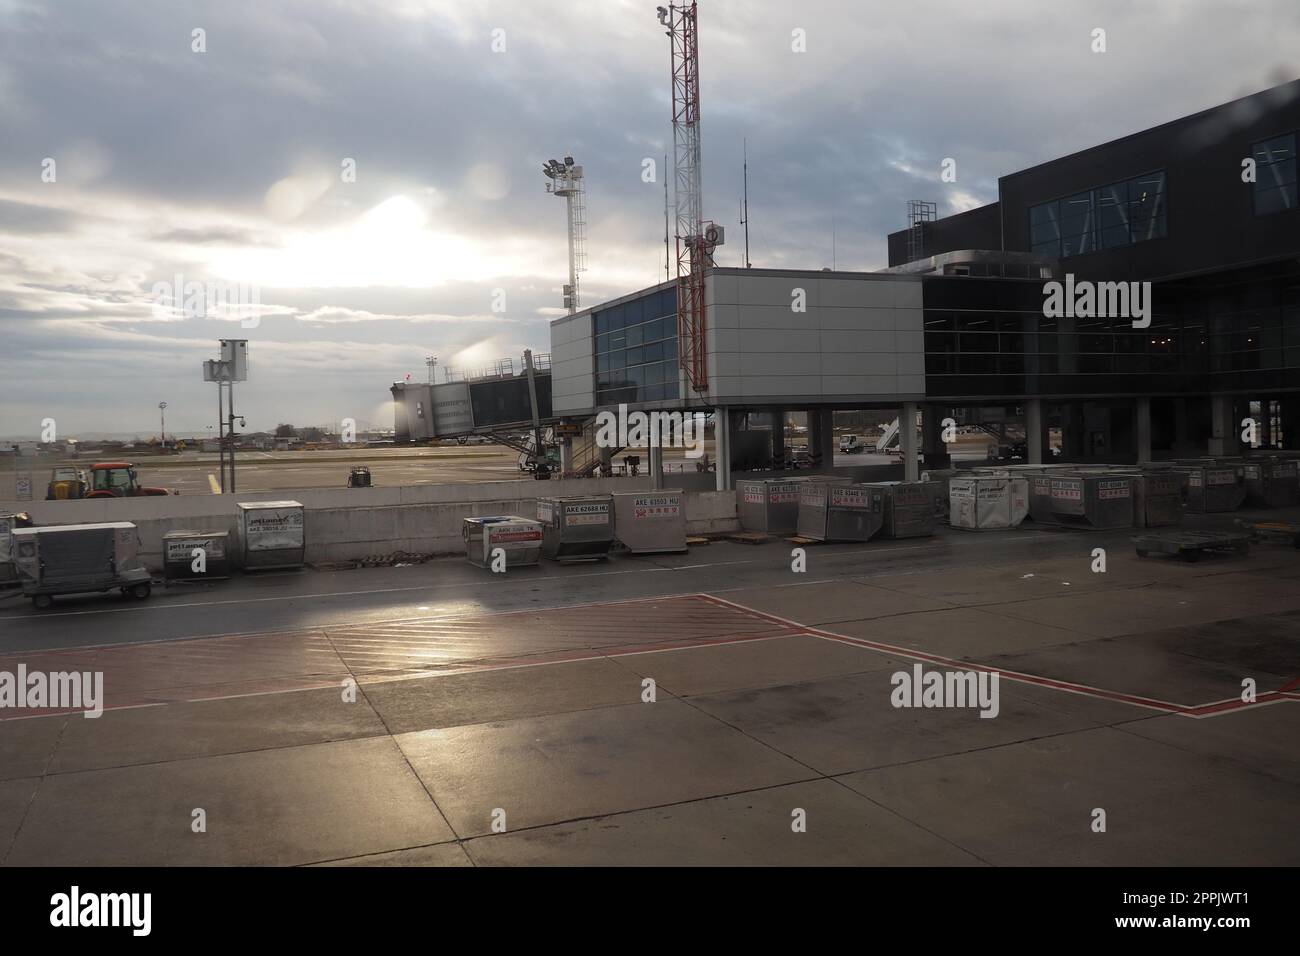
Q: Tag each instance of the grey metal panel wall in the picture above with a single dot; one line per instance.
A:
(572, 367)
(860, 337)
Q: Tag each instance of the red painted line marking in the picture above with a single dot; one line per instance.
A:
(1198, 710)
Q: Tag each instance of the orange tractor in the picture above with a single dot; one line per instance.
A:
(108, 479)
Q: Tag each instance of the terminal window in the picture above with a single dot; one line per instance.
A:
(1275, 175)
(1118, 214)
(636, 350)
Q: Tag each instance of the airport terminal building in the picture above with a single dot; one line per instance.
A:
(960, 324)
(960, 330)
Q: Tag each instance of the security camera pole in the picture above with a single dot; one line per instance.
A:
(232, 367)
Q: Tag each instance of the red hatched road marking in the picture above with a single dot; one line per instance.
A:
(1211, 709)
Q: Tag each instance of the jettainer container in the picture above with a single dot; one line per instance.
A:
(1272, 483)
(650, 522)
(520, 540)
(78, 559)
(769, 504)
(987, 502)
(272, 534)
(577, 527)
(179, 555)
(908, 508)
(840, 511)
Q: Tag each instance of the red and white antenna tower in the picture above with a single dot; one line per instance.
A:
(696, 238)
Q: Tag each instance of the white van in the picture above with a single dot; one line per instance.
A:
(851, 445)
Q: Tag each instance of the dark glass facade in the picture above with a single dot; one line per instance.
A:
(1275, 175)
(988, 337)
(1108, 217)
(636, 349)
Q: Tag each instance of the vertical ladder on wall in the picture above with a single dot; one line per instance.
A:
(919, 212)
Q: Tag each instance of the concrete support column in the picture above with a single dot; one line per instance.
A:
(1181, 436)
(566, 455)
(907, 436)
(655, 455)
(606, 461)
(778, 440)
(1223, 429)
(1034, 431)
(722, 447)
(1142, 430)
(821, 438)
(932, 444)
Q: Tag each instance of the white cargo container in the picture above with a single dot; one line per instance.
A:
(519, 539)
(272, 534)
(987, 502)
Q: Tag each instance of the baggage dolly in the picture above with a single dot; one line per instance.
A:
(1283, 531)
(1190, 545)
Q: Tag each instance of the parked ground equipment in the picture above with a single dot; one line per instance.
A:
(650, 522)
(183, 562)
(769, 505)
(1272, 483)
(8, 521)
(65, 483)
(987, 502)
(1191, 545)
(908, 509)
(519, 540)
(77, 559)
(840, 511)
(1210, 486)
(1287, 532)
(273, 534)
(576, 528)
(1095, 499)
(359, 477)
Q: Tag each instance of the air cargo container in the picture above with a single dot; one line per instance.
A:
(908, 508)
(650, 522)
(987, 502)
(273, 534)
(1086, 498)
(1271, 483)
(840, 511)
(576, 527)
(769, 505)
(78, 559)
(180, 557)
(1210, 486)
(519, 540)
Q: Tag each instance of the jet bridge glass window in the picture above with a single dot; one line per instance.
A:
(636, 350)
(1275, 175)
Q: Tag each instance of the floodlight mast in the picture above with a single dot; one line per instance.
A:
(695, 238)
(566, 180)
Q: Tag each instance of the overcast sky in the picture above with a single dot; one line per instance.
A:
(226, 166)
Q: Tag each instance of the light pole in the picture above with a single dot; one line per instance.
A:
(162, 427)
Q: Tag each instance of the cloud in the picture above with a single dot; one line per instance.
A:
(226, 166)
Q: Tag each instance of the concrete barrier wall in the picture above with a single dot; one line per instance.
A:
(352, 524)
